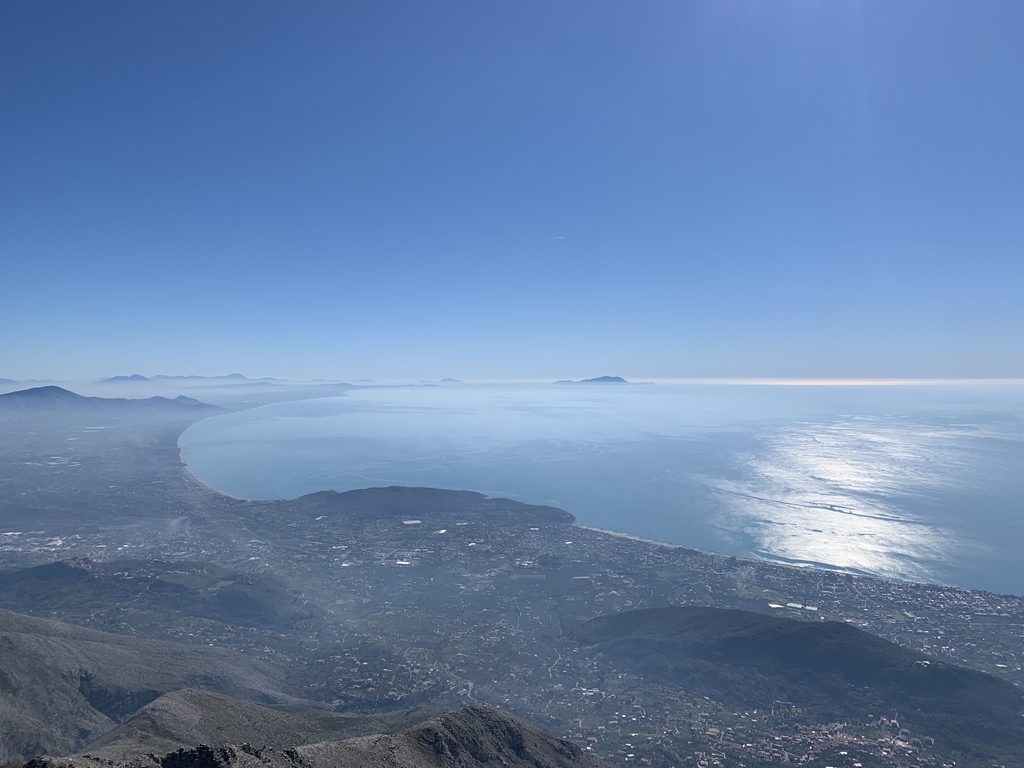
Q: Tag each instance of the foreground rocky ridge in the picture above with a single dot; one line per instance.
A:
(465, 738)
(186, 718)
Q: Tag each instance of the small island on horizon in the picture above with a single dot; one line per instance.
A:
(598, 380)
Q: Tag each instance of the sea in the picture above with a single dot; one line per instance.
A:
(913, 481)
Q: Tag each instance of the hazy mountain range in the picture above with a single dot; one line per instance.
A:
(191, 377)
(53, 398)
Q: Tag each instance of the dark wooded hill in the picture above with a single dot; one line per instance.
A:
(375, 503)
(832, 671)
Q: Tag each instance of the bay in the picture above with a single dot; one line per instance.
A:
(909, 481)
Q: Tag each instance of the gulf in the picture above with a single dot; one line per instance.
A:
(908, 481)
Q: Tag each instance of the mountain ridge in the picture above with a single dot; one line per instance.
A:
(54, 398)
(470, 737)
(186, 718)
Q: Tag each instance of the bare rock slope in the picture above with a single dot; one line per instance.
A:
(186, 718)
(62, 686)
(471, 737)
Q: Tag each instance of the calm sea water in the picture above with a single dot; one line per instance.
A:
(911, 482)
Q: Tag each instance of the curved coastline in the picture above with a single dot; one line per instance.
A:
(586, 457)
(191, 477)
(189, 474)
(654, 542)
(748, 553)
(754, 556)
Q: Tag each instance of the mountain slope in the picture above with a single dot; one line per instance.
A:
(61, 686)
(53, 398)
(833, 671)
(186, 718)
(471, 737)
(150, 591)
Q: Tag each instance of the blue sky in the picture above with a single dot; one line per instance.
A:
(512, 189)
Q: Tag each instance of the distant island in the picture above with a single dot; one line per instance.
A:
(133, 377)
(598, 380)
(194, 377)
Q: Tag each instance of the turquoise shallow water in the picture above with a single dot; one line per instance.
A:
(912, 482)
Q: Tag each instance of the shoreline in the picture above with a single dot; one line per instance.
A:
(191, 478)
(655, 542)
(759, 558)
(778, 563)
(753, 557)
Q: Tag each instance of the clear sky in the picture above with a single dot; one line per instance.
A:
(510, 188)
